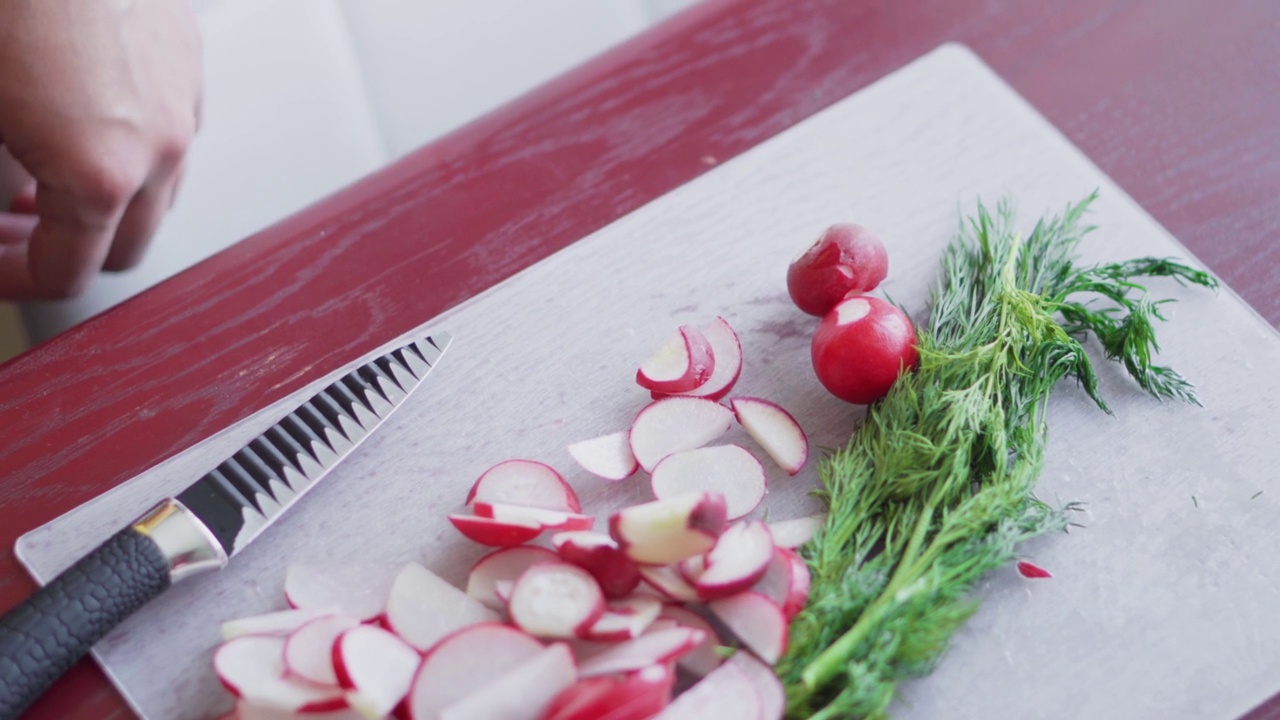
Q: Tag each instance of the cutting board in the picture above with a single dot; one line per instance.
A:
(1162, 606)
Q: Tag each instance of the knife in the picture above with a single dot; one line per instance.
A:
(202, 527)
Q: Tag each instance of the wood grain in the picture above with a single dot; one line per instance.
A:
(1174, 99)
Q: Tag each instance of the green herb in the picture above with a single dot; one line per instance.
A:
(935, 488)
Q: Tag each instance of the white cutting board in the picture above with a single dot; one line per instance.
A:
(1163, 607)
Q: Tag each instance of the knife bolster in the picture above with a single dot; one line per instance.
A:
(188, 546)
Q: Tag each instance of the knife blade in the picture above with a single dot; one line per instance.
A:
(201, 528)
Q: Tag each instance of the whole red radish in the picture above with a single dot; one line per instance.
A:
(846, 258)
(861, 347)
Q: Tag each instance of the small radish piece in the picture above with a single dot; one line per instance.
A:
(377, 666)
(355, 589)
(729, 470)
(252, 667)
(495, 533)
(786, 582)
(555, 600)
(738, 561)
(1032, 571)
(669, 530)
(521, 515)
(648, 649)
(703, 658)
(281, 622)
(503, 565)
(635, 696)
(608, 456)
(599, 555)
(795, 532)
(525, 482)
(523, 692)
(727, 350)
(757, 621)
(422, 607)
(773, 697)
(846, 258)
(682, 363)
(673, 424)
(775, 430)
(308, 650)
(669, 582)
(625, 619)
(728, 693)
(464, 662)
(861, 347)
(249, 711)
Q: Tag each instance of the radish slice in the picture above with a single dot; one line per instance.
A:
(682, 363)
(464, 662)
(730, 470)
(704, 658)
(525, 482)
(422, 607)
(669, 530)
(738, 561)
(521, 515)
(279, 623)
(495, 533)
(249, 711)
(502, 565)
(727, 350)
(502, 590)
(252, 667)
(308, 650)
(358, 590)
(635, 696)
(797, 531)
(648, 649)
(728, 693)
(555, 600)
(775, 430)
(757, 621)
(786, 582)
(599, 555)
(377, 666)
(607, 456)
(773, 697)
(523, 692)
(669, 583)
(673, 424)
(625, 619)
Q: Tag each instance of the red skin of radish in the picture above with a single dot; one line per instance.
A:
(699, 364)
(846, 258)
(634, 696)
(617, 574)
(861, 347)
(493, 533)
(1032, 571)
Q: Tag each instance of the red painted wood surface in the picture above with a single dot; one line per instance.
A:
(1176, 99)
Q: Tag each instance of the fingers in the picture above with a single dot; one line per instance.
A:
(71, 240)
(16, 229)
(16, 282)
(136, 228)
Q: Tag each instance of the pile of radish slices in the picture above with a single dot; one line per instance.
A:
(674, 609)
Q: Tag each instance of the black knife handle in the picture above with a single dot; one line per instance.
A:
(42, 638)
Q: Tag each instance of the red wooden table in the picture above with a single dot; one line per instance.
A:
(1178, 100)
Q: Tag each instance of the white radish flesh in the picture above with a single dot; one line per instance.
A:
(669, 530)
(502, 565)
(730, 470)
(521, 515)
(280, 623)
(555, 600)
(673, 424)
(727, 350)
(775, 430)
(703, 658)
(757, 621)
(249, 711)
(634, 696)
(625, 619)
(669, 583)
(786, 581)
(607, 456)
(252, 667)
(648, 649)
(525, 482)
(740, 558)
(523, 692)
(599, 555)
(728, 693)
(795, 532)
(422, 607)
(495, 533)
(682, 363)
(464, 662)
(358, 590)
(773, 697)
(308, 651)
(376, 666)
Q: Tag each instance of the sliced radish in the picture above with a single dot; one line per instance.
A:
(523, 692)
(249, 711)
(728, 693)
(495, 533)
(502, 590)
(502, 565)
(786, 582)
(377, 666)
(599, 555)
(797, 531)
(358, 590)
(608, 456)
(757, 621)
(522, 515)
(673, 424)
(669, 530)
(738, 561)
(669, 583)
(525, 482)
(727, 350)
(648, 649)
(308, 650)
(555, 600)
(464, 662)
(634, 696)
(625, 619)
(730, 470)
(422, 607)
(704, 658)
(252, 667)
(682, 363)
(773, 697)
(281, 622)
(775, 430)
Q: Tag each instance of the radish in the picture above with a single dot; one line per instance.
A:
(496, 533)
(503, 565)
(555, 600)
(281, 622)
(252, 667)
(773, 696)
(673, 424)
(757, 621)
(738, 561)
(463, 663)
(775, 430)
(625, 619)
(861, 347)
(845, 259)
(599, 555)
(377, 666)
(727, 350)
(521, 515)
(358, 590)
(523, 692)
(682, 363)
(608, 456)
(786, 582)
(704, 658)
(669, 530)
(728, 693)
(525, 482)
(797, 531)
(249, 711)
(307, 651)
(634, 696)
(669, 583)
(648, 649)
(422, 608)
(729, 470)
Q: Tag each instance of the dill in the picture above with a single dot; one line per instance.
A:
(936, 487)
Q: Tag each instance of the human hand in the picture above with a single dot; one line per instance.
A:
(99, 102)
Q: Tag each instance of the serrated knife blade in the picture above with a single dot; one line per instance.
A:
(201, 528)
